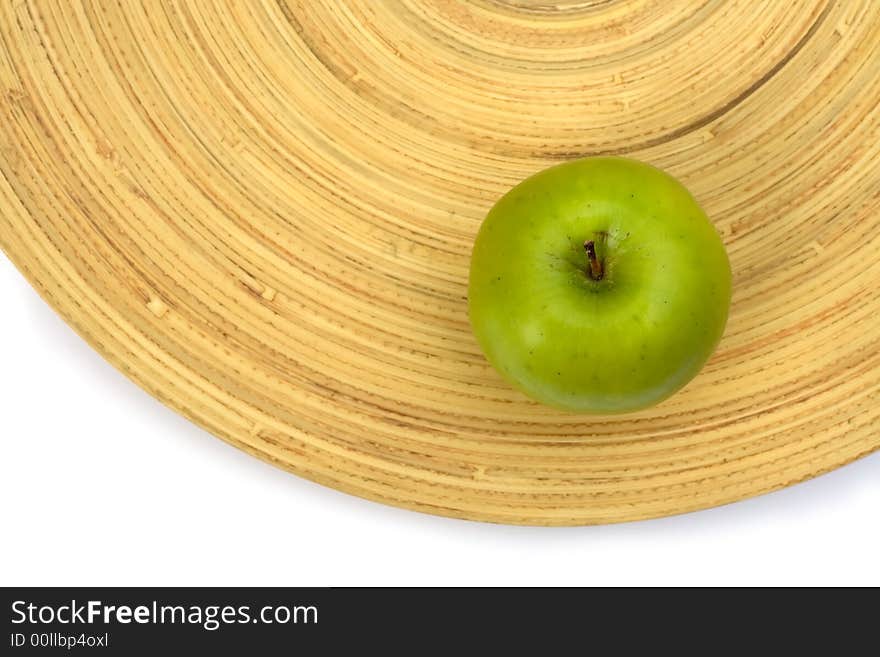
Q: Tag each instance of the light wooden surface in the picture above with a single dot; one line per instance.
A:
(262, 212)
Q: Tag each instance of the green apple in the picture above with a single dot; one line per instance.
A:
(599, 286)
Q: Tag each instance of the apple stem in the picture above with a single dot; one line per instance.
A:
(596, 272)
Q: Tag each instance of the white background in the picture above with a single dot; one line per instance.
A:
(102, 485)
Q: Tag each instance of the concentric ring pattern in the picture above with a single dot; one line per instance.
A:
(262, 212)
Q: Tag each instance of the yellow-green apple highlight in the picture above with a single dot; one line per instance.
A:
(598, 286)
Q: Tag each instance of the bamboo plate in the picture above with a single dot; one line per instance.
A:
(262, 212)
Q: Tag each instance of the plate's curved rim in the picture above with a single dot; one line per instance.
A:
(133, 374)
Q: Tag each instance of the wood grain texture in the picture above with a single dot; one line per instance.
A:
(262, 213)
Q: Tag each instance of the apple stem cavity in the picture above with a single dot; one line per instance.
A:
(596, 272)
